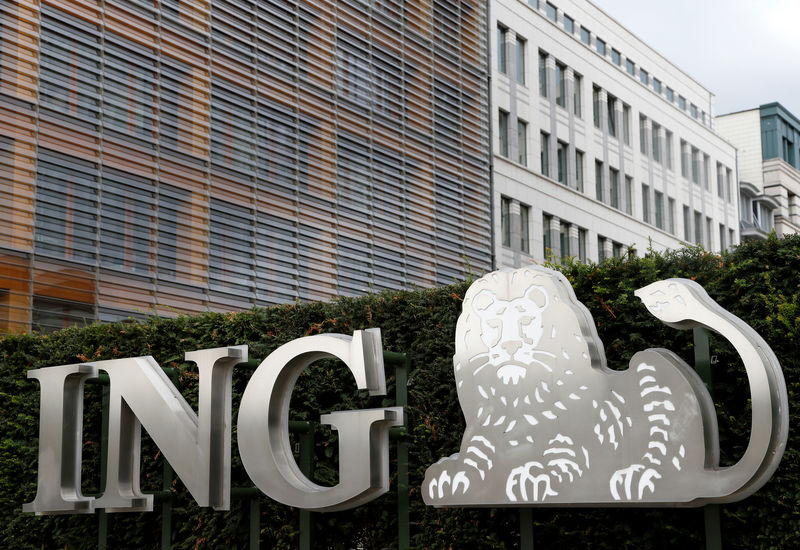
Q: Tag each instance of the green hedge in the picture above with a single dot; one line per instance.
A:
(758, 282)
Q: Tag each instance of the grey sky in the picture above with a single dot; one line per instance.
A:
(746, 52)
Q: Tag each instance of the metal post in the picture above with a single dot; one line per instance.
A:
(402, 367)
(306, 431)
(102, 516)
(166, 507)
(526, 528)
(702, 364)
(255, 523)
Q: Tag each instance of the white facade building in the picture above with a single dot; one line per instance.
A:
(600, 143)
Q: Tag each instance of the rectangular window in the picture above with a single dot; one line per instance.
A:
(544, 156)
(569, 24)
(693, 110)
(561, 84)
(709, 231)
(502, 58)
(577, 102)
(502, 133)
(670, 95)
(579, 169)
(522, 142)
(707, 172)
(598, 180)
(600, 44)
(613, 177)
(681, 103)
(626, 124)
(630, 66)
(728, 192)
(644, 77)
(596, 106)
(668, 148)
(552, 12)
(656, 139)
(629, 195)
(542, 74)
(671, 215)
(582, 245)
(646, 203)
(698, 227)
(617, 249)
(524, 228)
(534, 4)
(659, 206)
(520, 60)
(505, 220)
(643, 134)
(722, 235)
(720, 181)
(695, 165)
(684, 159)
(687, 225)
(563, 235)
(547, 245)
(561, 155)
(656, 85)
(601, 248)
(616, 57)
(611, 109)
(586, 36)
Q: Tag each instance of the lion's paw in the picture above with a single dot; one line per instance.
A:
(447, 478)
(529, 483)
(637, 475)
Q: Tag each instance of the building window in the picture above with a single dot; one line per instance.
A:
(684, 159)
(707, 172)
(626, 124)
(596, 106)
(502, 134)
(687, 225)
(722, 234)
(534, 4)
(577, 102)
(709, 231)
(728, 192)
(629, 195)
(505, 220)
(693, 110)
(579, 170)
(552, 12)
(698, 227)
(671, 214)
(582, 245)
(695, 165)
(613, 177)
(598, 180)
(547, 245)
(787, 152)
(670, 95)
(616, 57)
(656, 139)
(520, 60)
(586, 36)
(646, 203)
(643, 134)
(561, 155)
(502, 58)
(563, 235)
(644, 77)
(659, 200)
(611, 109)
(668, 148)
(630, 66)
(524, 228)
(544, 156)
(681, 103)
(657, 86)
(569, 24)
(601, 249)
(522, 142)
(561, 85)
(600, 44)
(542, 74)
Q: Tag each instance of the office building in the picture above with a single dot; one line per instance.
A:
(187, 155)
(768, 144)
(600, 143)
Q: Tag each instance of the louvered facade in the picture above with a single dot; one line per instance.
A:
(185, 155)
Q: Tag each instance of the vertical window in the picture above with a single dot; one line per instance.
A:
(544, 156)
(687, 225)
(720, 181)
(601, 249)
(657, 86)
(577, 102)
(644, 76)
(524, 228)
(230, 248)
(542, 74)
(616, 57)
(534, 4)
(613, 177)
(698, 227)
(522, 142)
(722, 234)
(600, 44)
(617, 249)
(611, 103)
(693, 110)
(563, 235)
(569, 24)
(668, 148)
(520, 60)
(547, 245)
(707, 172)
(695, 165)
(659, 200)
(129, 87)
(656, 130)
(728, 192)
(561, 84)
(502, 58)
(670, 95)
(629, 195)
(586, 36)
(671, 215)
(630, 66)
(579, 169)
(708, 233)
(127, 217)
(561, 155)
(643, 134)
(684, 159)
(582, 245)
(552, 12)
(596, 106)
(505, 220)
(646, 203)
(682, 103)
(502, 134)
(598, 180)
(626, 124)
